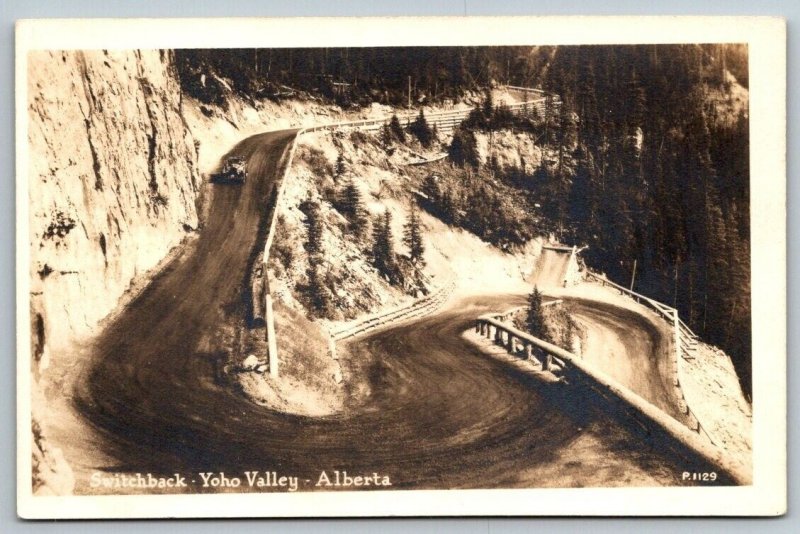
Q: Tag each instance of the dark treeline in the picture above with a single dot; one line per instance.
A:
(644, 166)
(660, 178)
(359, 75)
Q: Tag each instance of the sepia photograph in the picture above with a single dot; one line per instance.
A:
(298, 269)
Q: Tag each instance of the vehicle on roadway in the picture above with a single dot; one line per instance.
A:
(234, 171)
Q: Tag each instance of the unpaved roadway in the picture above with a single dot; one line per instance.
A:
(440, 414)
(632, 350)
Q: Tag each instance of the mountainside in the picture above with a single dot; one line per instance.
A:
(113, 187)
(647, 161)
(661, 178)
(113, 183)
(343, 250)
(120, 144)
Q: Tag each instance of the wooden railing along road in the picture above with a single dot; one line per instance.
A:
(684, 340)
(445, 121)
(418, 308)
(523, 345)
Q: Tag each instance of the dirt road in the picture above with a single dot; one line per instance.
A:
(619, 341)
(630, 349)
(439, 414)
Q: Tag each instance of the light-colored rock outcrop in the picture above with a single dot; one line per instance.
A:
(113, 181)
(113, 185)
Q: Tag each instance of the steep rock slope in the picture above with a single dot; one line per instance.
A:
(113, 184)
(113, 187)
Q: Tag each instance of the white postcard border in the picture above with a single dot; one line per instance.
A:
(766, 38)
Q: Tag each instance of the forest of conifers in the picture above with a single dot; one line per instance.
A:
(653, 158)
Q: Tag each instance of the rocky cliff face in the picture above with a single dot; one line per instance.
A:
(113, 184)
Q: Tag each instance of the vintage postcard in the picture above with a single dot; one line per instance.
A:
(398, 267)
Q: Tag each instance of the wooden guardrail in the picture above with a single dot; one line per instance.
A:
(527, 90)
(558, 248)
(508, 314)
(522, 344)
(269, 319)
(685, 342)
(444, 121)
(418, 308)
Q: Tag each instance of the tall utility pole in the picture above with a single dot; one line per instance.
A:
(409, 92)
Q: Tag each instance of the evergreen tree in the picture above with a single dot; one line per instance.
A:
(463, 148)
(449, 208)
(314, 227)
(412, 237)
(583, 199)
(535, 320)
(387, 138)
(351, 205)
(431, 189)
(488, 105)
(383, 255)
(502, 117)
(397, 130)
(421, 130)
(637, 101)
(550, 115)
(340, 168)
(318, 294)
(349, 201)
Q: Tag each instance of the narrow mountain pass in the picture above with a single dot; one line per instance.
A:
(437, 413)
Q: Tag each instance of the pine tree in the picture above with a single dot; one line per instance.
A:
(351, 205)
(488, 106)
(535, 320)
(550, 114)
(502, 117)
(397, 129)
(422, 130)
(383, 246)
(430, 187)
(637, 101)
(318, 293)
(464, 148)
(349, 202)
(448, 208)
(387, 138)
(378, 242)
(568, 335)
(412, 237)
(359, 224)
(313, 227)
(340, 169)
